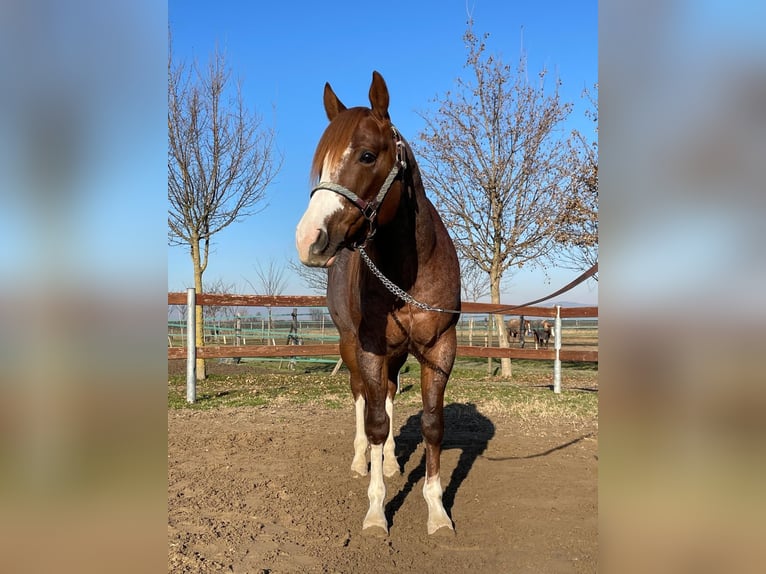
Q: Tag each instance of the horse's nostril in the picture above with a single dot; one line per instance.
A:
(321, 243)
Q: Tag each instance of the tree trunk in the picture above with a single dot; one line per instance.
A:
(502, 333)
(489, 343)
(201, 374)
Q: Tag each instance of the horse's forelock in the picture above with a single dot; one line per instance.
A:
(335, 139)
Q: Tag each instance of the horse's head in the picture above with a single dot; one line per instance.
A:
(357, 164)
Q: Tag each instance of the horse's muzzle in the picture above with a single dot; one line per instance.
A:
(319, 253)
(320, 245)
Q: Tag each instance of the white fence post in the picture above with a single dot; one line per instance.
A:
(191, 346)
(557, 347)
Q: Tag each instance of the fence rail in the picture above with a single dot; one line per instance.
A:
(467, 307)
(190, 299)
(312, 350)
(232, 351)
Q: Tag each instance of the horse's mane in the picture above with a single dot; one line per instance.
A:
(335, 139)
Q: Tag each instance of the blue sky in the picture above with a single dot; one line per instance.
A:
(284, 52)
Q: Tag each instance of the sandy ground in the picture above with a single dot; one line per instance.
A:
(269, 490)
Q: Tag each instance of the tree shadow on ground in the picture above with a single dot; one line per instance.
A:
(464, 428)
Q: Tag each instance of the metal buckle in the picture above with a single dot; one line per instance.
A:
(399, 148)
(370, 212)
(400, 154)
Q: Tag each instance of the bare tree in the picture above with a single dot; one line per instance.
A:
(176, 314)
(214, 314)
(221, 159)
(473, 282)
(577, 226)
(314, 278)
(272, 281)
(494, 158)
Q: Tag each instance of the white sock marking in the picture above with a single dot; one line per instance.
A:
(376, 491)
(437, 516)
(359, 464)
(390, 465)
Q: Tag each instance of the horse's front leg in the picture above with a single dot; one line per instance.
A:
(359, 462)
(390, 464)
(377, 427)
(435, 370)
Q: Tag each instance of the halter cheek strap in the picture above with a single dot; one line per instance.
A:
(369, 209)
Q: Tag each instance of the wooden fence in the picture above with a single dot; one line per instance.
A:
(329, 349)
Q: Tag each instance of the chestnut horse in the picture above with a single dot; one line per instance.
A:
(370, 203)
(513, 326)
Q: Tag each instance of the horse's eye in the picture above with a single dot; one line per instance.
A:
(367, 157)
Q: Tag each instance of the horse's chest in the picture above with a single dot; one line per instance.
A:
(405, 328)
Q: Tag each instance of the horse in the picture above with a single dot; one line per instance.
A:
(513, 327)
(393, 284)
(542, 332)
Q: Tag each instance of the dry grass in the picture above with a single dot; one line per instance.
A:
(527, 397)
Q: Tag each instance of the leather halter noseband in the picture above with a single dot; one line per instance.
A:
(369, 209)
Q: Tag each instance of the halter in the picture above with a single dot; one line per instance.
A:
(369, 209)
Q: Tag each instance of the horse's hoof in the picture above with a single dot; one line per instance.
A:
(391, 469)
(441, 528)
(359, 469)
(375, 528)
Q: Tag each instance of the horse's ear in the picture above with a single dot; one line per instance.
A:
(379, 96)
(332, 105)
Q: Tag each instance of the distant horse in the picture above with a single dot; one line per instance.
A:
(542, 332)
(513, 327)
(370, 196)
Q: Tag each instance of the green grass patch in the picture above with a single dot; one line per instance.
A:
(528, 394)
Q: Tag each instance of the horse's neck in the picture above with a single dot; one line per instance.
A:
(409, 239)
(425, 234)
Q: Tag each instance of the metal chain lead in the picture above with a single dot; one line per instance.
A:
(398, 291)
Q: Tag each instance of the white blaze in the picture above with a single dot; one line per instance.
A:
(321, 206)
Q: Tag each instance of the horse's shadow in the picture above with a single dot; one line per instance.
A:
(464, 428)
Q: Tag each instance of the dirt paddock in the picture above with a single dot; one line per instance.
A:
(269, 489)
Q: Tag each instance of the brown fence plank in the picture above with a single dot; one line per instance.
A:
(263, 300)
(471, 307)
(321, 301)
(516, 353)
(176, 352)
(579, 356)
(209, 352)
(217, 352)
(269, 351)
(176, 298)
(222, 300)
(577, 312)
(497, 352)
